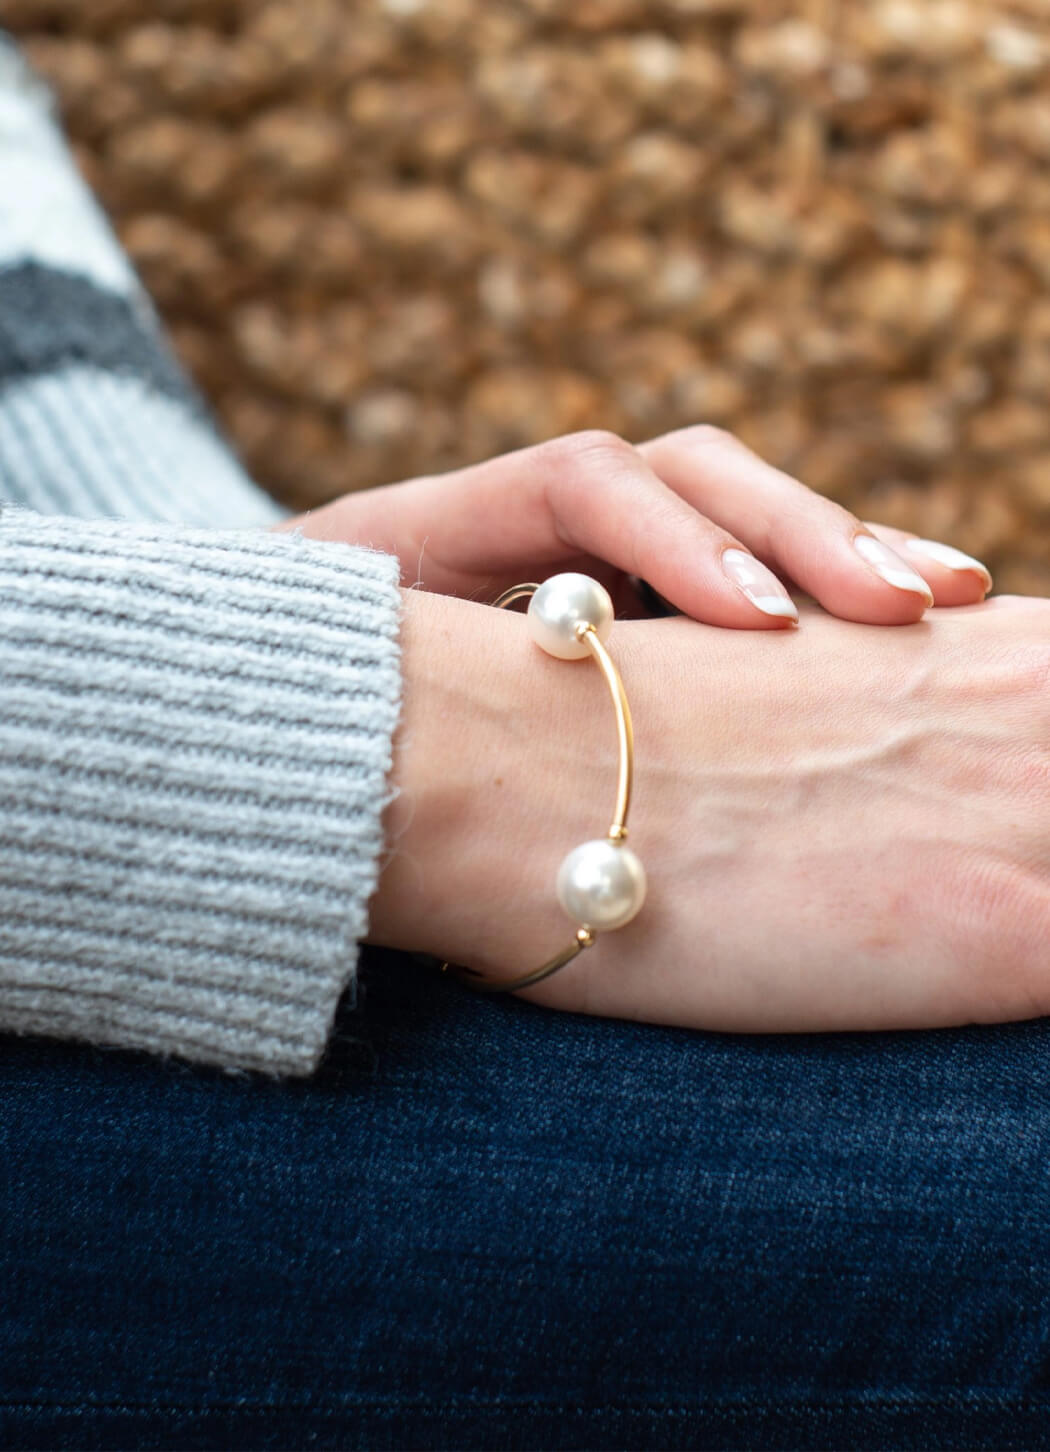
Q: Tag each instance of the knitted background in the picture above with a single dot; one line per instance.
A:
(390, 236)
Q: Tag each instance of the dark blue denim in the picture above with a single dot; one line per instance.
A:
(487, 1225)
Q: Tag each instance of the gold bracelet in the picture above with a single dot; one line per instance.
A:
(601, 883)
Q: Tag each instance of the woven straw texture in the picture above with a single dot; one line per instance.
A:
(392, 236)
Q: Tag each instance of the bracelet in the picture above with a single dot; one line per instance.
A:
(601, 883)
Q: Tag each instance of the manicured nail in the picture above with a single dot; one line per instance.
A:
(760, 585)
(950, 557)
(890, 566)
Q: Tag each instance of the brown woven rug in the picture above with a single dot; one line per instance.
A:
(393, 235)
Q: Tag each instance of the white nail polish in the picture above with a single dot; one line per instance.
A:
(890, 566)
(949, 557)
(760, 585)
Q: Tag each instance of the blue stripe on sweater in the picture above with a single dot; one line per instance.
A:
(50, 320)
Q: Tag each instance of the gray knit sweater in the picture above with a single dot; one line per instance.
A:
(195, 713)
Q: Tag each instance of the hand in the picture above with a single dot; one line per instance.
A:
(843, 828)
(695, 514)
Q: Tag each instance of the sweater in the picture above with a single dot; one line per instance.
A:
(197, 712)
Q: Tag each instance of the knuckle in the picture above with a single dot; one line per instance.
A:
(576, 462)
(589, 445)
(705, 436)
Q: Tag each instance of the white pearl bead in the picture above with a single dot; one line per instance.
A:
(601, 884)
(559, 605)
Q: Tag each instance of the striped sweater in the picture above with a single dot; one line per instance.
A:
(195, 713)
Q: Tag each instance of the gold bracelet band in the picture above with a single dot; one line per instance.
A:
(601, 884)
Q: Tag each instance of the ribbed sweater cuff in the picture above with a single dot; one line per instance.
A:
(195, 743)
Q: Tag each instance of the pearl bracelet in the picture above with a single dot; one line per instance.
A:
(601, 883)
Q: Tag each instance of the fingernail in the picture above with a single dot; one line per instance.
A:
(890, 566)
(760, 585)
(950, 557)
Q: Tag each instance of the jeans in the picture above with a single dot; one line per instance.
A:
(484, 1224)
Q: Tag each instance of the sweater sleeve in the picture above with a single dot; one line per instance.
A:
(194, 749)
(195, 719)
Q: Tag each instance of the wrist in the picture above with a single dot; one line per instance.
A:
(499, 758)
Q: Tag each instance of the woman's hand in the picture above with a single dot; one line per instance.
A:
(842, 827)
(695, 514)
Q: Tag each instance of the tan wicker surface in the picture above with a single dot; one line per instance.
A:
(393, 235)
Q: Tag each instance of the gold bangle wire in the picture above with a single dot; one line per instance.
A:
(617, 832)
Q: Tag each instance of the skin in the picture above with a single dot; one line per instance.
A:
(666, 511)
(821, 854)
(839, 823)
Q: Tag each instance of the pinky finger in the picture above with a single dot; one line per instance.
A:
(954, 577)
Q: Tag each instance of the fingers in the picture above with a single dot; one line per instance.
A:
(586, 501)
(854, 572)
(695, 514)
(605, 500)
(955, 578)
